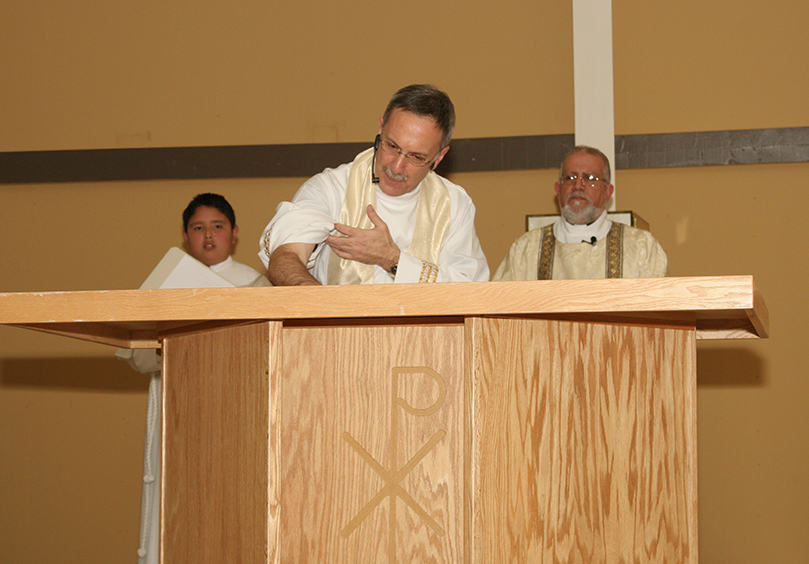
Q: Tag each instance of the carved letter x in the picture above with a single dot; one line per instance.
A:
(392, 488)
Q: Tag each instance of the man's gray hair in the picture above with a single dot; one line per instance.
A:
(425, 100)
(605, 173)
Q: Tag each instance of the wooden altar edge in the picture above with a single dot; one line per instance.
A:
(147, 334)
(721, 307)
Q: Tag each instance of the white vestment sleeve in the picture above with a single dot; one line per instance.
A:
(462, 259)
(408, 270)
(309, 217)
(521, 261)
(294, 224)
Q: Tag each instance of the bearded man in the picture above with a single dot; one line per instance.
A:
(583, 243)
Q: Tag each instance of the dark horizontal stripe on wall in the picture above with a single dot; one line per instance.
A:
(490, 154)
(747, 146)
(174, 163)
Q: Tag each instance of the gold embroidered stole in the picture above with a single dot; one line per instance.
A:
(546, 249)
(615, 252)
(432, 222)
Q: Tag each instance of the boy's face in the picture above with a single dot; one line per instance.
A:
(210, 236)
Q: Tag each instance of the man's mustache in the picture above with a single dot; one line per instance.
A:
(393, 176)
(578, 194)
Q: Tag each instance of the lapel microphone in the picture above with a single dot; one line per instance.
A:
(374, 177)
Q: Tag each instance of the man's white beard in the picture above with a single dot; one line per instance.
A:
(584, 217)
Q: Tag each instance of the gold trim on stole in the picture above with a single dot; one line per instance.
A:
(615, 251)
(546, 250)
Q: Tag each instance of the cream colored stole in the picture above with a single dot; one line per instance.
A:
(432, 221)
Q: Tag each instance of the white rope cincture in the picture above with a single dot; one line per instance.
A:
(152, 435)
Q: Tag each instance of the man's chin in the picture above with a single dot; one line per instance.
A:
(583, 217)
(392, 188)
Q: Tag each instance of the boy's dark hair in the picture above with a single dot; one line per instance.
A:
(209, 200)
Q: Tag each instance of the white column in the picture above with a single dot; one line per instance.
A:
(592, 78)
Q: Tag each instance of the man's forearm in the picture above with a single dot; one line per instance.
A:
(286, 267)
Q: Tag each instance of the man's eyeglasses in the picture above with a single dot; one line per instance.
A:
(588, 180)
(415, 159)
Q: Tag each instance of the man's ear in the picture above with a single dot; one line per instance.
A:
(440, 157)
(234, 232)
(185, 235)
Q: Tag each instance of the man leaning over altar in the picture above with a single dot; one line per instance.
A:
(583, 243)
(385, 217)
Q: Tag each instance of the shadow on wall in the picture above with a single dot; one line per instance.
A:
(82, 374)
(719, 367)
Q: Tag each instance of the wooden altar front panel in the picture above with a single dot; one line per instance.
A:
(587, 442)
(216, 418)
(373, 442)
(489, 440)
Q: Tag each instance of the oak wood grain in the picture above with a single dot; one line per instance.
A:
(585, 443)
(729, 306)
(215, 453)
(373, 463)
(492, 440)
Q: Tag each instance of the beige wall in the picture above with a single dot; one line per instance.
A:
(85, 75)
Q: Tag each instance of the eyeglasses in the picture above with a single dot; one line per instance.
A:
(415, 159)
(588, 180)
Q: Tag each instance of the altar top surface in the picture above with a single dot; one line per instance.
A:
(720, 307)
